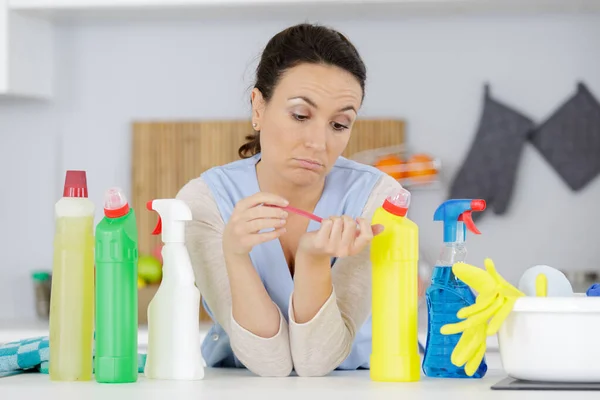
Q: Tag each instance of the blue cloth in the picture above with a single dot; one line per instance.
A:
(33, 355)
(347, 189)
(28, 354)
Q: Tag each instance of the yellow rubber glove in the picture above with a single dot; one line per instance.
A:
(495, 300)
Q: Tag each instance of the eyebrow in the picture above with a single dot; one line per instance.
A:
(313, 104)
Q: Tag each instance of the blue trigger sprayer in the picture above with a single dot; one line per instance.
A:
(448, 294)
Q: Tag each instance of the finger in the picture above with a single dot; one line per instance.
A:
(263, 212)
(491, 268)
(468, 345)
(377, 229)
(498, 319)
(506, 288)
(458, 327)
(258, 225)
(335, 237)
(261, 198)
(348, 233)
(474, 363)
(483, 301)
(364, 237)
(258, 238)
(483, 316)
(477, 278)
(476, 319)
(323, 234)
(458, 351)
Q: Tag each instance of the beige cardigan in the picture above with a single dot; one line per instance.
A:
(314, 348)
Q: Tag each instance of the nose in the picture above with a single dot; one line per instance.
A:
(316, 138)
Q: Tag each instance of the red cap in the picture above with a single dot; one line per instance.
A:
(115, 203)
(394, 209)
(75, 184)
(398, 204)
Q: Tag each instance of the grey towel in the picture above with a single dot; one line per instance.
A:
(490, 167)
(570, 139)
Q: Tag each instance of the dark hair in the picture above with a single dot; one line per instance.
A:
(303, 43)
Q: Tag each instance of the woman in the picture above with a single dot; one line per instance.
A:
(287, 293)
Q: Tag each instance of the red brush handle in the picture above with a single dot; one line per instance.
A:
(376, 228)
(303, 213)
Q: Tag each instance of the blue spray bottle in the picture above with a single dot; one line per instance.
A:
(448, 294)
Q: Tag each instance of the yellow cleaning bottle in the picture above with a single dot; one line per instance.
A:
(394, 258)
(72, 295)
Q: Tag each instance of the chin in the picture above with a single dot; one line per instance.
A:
(304, 177)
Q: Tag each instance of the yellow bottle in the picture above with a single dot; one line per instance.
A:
(394, 258)
(72, 295)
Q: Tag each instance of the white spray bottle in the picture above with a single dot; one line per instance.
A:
(173, 314)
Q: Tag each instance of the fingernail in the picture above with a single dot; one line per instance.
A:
(282, 222)
(284, 214)
(377, 229)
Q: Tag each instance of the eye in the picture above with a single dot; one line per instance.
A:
(338, 127)
(299, 117)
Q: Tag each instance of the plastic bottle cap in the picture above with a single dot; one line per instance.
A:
(41, 276)
(398, 203)
(115, 203)
(75, 184)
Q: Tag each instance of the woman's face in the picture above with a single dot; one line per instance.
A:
(306, 124)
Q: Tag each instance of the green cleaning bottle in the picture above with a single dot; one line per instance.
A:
(116, 292)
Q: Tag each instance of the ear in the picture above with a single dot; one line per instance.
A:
(258, 107)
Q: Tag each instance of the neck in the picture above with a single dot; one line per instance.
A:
(302, 197)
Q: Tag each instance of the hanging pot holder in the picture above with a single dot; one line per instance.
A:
(570, 139)
(489, 170)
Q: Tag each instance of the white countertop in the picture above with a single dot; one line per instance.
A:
(243, 385)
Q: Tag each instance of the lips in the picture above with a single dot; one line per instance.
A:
(309, 163)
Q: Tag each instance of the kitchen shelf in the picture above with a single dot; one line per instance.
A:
(424, 174)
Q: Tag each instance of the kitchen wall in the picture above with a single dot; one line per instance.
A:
(427, 70)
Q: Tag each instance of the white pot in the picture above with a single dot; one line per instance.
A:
(552, 339)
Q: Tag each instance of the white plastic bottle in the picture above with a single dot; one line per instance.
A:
(173, 314)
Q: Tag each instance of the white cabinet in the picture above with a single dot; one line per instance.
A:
(26, 30)
(115, 7)
(26, 59)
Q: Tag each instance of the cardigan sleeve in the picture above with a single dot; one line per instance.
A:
(204, 238)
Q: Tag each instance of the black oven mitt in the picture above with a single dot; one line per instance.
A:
(490, 167)
(570, 139)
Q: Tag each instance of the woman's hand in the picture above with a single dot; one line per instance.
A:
(249, 217)
(337, 237)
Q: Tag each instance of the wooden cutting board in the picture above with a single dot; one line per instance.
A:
(166, 155)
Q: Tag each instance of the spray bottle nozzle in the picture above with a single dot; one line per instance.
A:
(158, 229)
(458, 210)
(175, 212)
(478, 205)
(467, 216)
